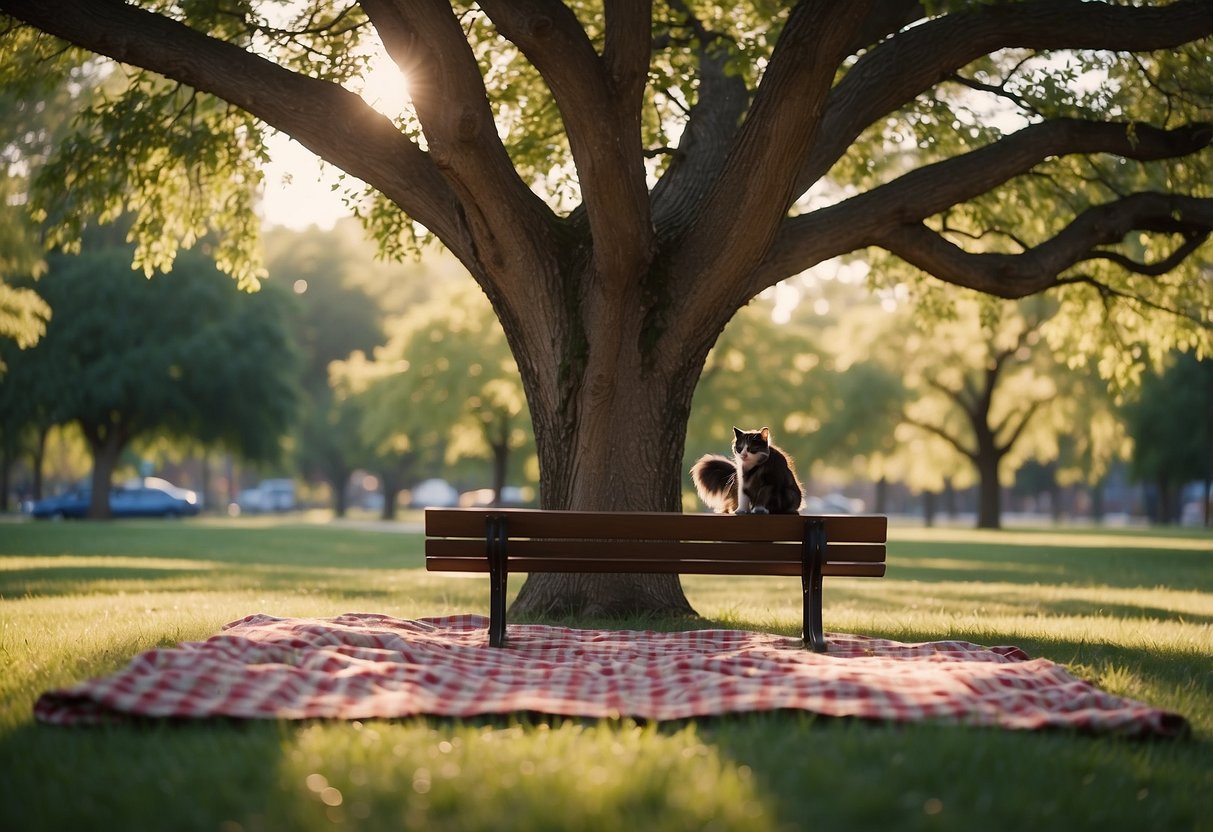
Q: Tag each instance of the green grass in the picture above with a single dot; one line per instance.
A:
(1130, 610)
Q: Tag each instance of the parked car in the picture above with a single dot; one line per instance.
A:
(267, 496)
(511, 497)
(833, 504)
(436, 493)
(177, 491)
(125, 501)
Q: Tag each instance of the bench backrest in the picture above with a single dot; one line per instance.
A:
(708, 544)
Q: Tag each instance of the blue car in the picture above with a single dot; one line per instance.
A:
(125, 501)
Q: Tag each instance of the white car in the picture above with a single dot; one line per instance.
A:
(434, 493)
(267, 496)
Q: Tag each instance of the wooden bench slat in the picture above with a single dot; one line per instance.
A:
(652, 565)
(469, 523)
(505, 541)
(665, 549)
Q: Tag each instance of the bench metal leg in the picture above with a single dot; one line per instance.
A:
(812, 557)
(495, 546)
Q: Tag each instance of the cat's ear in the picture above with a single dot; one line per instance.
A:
(766, 434)
(737, 432)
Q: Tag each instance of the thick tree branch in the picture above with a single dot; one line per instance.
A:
(600, 103)
(425, 39)
(722, 98)
(777, 132)
(1039, 268)
(897, 70)
(627, 48)
(885, 18)
(860, 221)
(332, 122)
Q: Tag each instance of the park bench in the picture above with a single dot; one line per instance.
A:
(501, 541)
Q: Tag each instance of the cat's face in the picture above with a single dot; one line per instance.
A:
(751, 446)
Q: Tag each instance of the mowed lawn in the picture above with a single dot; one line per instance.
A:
(1130, 610)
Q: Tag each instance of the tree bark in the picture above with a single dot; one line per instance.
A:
(614, 447)
(339, 483)
(36, 461)
(882, 495)
(106, 441)
(390, 484)
(6, 469)
(989, 502)
(500, 449)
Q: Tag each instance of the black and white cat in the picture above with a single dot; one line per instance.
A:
(766, 476)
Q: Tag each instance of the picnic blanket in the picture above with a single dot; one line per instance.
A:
(359, 666)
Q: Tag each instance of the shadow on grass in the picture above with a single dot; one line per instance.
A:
(151, 775)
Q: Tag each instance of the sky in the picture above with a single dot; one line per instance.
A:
(298, 188)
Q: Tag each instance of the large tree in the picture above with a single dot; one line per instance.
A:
(620, 178)
(982, 382)
(334, 316)
(185, 355)
(1171, 423)
(443, 389)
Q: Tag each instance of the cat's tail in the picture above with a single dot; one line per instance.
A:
(715, 479)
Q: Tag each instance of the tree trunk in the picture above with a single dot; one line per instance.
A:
(618, 449)
(1207, 503)
(882, 495)
(501, 461)
(339, 482)
(36, 462)
(1097, 503)
(989, 508)
(928, 508)
(106, 443)
(6, 467)
(390, 484)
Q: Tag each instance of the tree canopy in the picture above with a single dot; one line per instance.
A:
(621, 178)
(1171, 423)
(185, 355)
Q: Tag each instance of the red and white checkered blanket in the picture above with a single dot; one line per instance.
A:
(357, 666)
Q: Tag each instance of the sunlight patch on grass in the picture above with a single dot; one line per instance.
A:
(953, 564)
(559, 775)
(1066, 539)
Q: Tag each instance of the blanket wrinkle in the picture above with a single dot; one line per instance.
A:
(369, 665)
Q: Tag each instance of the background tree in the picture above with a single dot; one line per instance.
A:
(832, 412)
(621, 183)
(334, 316)
(1171, 424)
(1085, 438)
(981, 384)
(185, 354)
(34, 392)
(444, 388)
